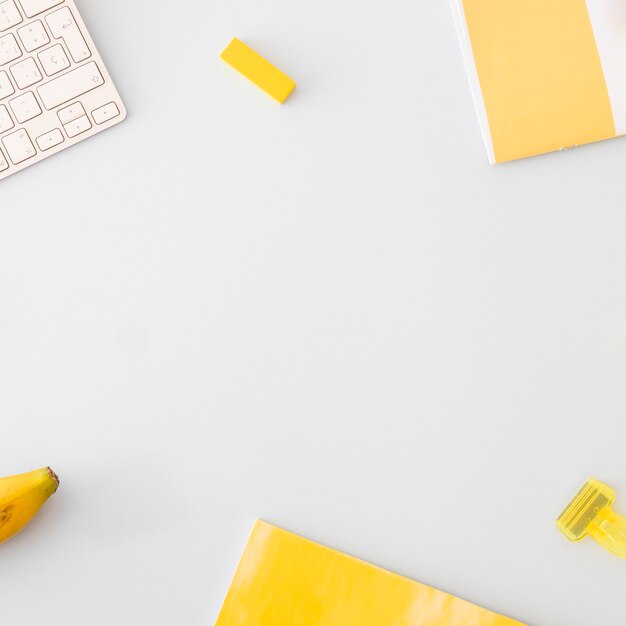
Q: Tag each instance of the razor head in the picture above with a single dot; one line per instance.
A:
(584, 509)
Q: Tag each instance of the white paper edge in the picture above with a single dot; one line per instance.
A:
(608, 21)
(458, 13)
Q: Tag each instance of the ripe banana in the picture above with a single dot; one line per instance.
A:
(21, 497)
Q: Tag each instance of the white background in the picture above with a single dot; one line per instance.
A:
(334, 315)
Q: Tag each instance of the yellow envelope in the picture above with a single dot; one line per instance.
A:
(285, 580)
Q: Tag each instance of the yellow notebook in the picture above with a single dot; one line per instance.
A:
(285, 580)
(546, 74)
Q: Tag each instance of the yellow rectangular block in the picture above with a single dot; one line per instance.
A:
(285, 580)
(261, 72)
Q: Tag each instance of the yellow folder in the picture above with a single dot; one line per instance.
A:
(285, 580)
(546, 74)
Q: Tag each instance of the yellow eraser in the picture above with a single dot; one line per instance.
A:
(261, 72)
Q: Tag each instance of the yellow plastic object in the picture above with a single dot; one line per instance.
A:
(285, 580)
(261, 72)
(591, 513)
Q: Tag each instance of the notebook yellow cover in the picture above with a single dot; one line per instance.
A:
(285, 580)
(546, 74)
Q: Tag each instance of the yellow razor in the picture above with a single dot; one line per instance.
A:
(591, 513)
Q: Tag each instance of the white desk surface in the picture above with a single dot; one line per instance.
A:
(334, 315)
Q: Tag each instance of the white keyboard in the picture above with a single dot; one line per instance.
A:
(54, 88)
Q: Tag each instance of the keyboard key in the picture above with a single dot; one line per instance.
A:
(54, 60)
(49, 140)
(9, 15)
(25, 107)
(64, 27)
(71, 113)
(6, 123)
(19, 147)
(6, 88)
(105, 113)
(26, 73)
(33, 36)
(81, 125)
(35, 7)
(70, 85)
(9, 50)
(4, 164)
